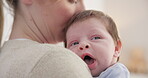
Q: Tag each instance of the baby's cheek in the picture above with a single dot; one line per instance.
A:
(73, 50)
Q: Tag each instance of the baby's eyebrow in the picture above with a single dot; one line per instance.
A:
(72, 37)
(98, 31)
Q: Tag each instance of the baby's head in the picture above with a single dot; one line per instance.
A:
(93, 36)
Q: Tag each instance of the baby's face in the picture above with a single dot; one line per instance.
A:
(91, 41)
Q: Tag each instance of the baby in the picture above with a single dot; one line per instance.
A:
(93, 36)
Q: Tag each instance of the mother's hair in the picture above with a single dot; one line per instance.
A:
(12, 4)
(1, 20)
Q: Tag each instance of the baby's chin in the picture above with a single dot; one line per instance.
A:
(95, 73)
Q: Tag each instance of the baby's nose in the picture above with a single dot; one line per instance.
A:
(84, 47)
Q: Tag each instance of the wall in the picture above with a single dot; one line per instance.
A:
(131, 17)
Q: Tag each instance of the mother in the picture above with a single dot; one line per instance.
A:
(31, 51)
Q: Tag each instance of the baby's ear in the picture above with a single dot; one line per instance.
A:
(118, 49)
(27, 2)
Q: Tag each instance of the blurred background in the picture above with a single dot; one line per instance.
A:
(131, 17)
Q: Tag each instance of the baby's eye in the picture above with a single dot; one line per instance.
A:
(74, 43)
(95, 37)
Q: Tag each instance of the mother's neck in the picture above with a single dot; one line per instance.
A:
(26, 27)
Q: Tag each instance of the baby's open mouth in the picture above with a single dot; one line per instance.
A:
(88, 60)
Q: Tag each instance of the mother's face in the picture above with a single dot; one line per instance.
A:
(55, 14)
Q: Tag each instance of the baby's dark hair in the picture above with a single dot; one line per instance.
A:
(105, 19)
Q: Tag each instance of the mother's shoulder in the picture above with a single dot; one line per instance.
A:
(32, 57)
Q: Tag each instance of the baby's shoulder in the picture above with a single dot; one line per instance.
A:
(117, 70)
